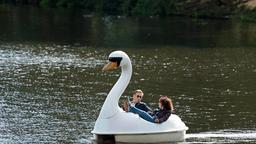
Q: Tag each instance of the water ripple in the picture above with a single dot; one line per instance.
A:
(223, 136)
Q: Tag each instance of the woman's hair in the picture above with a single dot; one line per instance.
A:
(166, 103)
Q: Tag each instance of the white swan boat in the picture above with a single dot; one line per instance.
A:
(121, 126)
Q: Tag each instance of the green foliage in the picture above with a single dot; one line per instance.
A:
(44, 3)
(108, 6)
(47, 3)
(99, 4)
(150, 7)
(88, 4)
(127, 6)
(194, 8)
(62, 3)
(146, 7)
(168, 7)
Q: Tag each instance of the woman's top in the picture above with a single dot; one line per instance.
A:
(162, 114)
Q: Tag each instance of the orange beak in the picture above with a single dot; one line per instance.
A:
(110, 66)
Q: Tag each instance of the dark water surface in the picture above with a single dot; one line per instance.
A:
(52, 87)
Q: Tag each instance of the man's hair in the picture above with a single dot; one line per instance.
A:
(137, 91)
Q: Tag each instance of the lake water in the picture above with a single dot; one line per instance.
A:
(52, 87)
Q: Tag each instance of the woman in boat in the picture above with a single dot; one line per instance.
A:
(160, 115)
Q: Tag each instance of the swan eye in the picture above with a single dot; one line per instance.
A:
(116, 59)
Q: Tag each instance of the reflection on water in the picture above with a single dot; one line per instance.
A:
(52, 86)
(73, 27)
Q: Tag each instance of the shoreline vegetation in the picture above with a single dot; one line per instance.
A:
(244, 10)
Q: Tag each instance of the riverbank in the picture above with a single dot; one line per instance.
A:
(244, 10)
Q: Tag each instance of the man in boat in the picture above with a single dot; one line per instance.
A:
(137, 96)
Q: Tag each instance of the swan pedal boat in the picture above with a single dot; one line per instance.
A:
(120, 126)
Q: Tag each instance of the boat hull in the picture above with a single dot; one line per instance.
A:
(130, 128)
(174, 136)
(177, 136)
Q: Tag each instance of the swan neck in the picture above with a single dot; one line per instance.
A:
(110, 106)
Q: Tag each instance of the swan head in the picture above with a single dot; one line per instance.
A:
(116, 59)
